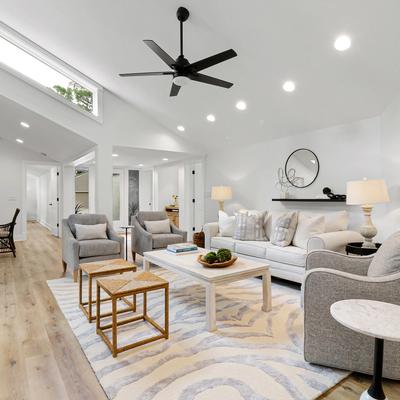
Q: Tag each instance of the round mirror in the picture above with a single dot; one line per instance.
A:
(302, 168)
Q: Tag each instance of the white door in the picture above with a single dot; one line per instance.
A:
(53, 201)
(117, 182)
(146, 190)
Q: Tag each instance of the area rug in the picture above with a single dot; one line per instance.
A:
(252, 356)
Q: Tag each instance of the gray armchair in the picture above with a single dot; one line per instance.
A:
(144, 241)
(331, 277)
(75, 252)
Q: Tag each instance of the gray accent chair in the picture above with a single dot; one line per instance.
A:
(143, 241)
(331, 277)
(75, 252)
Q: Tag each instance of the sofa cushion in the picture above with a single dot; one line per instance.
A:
(250, 226)
(98, 247)
(284, 228)
(387, 259)
(254, 248)
(90, 232)
(162, 240)
(308, 226)
(161, 226)
(291, 255)
(336, 221)
(220, 242)
(226, 223)
(272, 216)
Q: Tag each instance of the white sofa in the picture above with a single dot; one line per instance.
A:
(285, 262)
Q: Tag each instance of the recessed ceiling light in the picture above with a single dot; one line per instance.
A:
(342, 43)
(180, 128)
(289, 86)
(140, 165)
(241, 105)
(24, 124)
(165, 159)
(19, 140)
(211, 117)
(115, 155)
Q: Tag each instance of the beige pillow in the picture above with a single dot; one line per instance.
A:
(308, 226)
(90, 232)
(283, 229)
(386, 260)
(161, 226)
(249, 226)
(226, 224)
(336, 221)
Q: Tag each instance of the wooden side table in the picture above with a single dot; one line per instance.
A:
(130, 284)
(372, 318)
(356, 248)
(98, 269)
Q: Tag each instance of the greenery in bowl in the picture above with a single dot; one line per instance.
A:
(222, 255)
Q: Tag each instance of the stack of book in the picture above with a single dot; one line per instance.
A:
(181, 248)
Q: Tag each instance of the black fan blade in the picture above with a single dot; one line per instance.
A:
(146, 73)
(213, 60)
(174, 89)
(210, 80)
(160, 52)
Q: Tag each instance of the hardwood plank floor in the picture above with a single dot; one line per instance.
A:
(40, 356)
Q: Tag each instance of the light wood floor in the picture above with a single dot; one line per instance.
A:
(39, 355)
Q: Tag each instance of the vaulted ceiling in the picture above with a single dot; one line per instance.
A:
(275, 41)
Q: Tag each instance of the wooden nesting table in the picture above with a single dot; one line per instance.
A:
(99, 269)
(121, 286)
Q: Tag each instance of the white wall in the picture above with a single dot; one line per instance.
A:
(47, 204)
(168, 184)
(12, 182)
(348, 152)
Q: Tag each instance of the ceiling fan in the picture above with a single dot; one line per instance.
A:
(183, 71)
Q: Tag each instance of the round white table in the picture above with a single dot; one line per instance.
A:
(372, 318)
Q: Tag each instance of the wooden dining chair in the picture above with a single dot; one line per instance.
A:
(7, 244)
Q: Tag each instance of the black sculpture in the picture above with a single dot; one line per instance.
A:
(327, 191)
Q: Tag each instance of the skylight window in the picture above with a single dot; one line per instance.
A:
(48, 74)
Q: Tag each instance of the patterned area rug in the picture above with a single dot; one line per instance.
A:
(253, 355)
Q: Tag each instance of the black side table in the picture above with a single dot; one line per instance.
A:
(126, 239)
(356, 248)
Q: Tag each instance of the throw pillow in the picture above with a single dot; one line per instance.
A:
(283, 229)
(271, 218)
(90, 232)
(387, 259)
(336, 221)
(162, 226)
(307, 226)
(249, 226)
(226, 223)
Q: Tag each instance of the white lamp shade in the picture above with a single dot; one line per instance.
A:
(367, 192)
(221, 193)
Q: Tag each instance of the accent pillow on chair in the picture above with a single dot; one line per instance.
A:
(283, 229)
(250, 226)
(386, 260)
(308, 226)
(226, 223)
(162, 226)
(91, 232)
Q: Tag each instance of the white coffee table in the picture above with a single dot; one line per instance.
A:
(187, 265)
(372, 318)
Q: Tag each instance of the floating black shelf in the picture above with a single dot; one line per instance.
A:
(314, 200)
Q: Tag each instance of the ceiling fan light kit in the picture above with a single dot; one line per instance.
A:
(182, 71)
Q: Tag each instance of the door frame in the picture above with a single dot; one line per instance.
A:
(24, 215)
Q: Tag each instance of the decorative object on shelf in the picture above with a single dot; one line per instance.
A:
(283, 184)
(357, 248)
(328, 191)
(199, 239)
(366, 193)
(222, 258)
(221, 194)
(302, 168)
(175, 200)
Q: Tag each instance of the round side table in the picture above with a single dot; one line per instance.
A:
(356, 248)
(126, 239)
(372, 318)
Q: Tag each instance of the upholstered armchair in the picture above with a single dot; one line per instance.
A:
(331, 277)
(75, 252)
(142, 240)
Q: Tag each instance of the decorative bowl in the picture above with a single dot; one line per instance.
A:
(217, 264)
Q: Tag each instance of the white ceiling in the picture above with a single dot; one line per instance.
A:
(132, 157)
(43, 136)
(275, 41)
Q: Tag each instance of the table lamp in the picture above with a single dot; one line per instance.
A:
(221, 193)
(366, 193)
